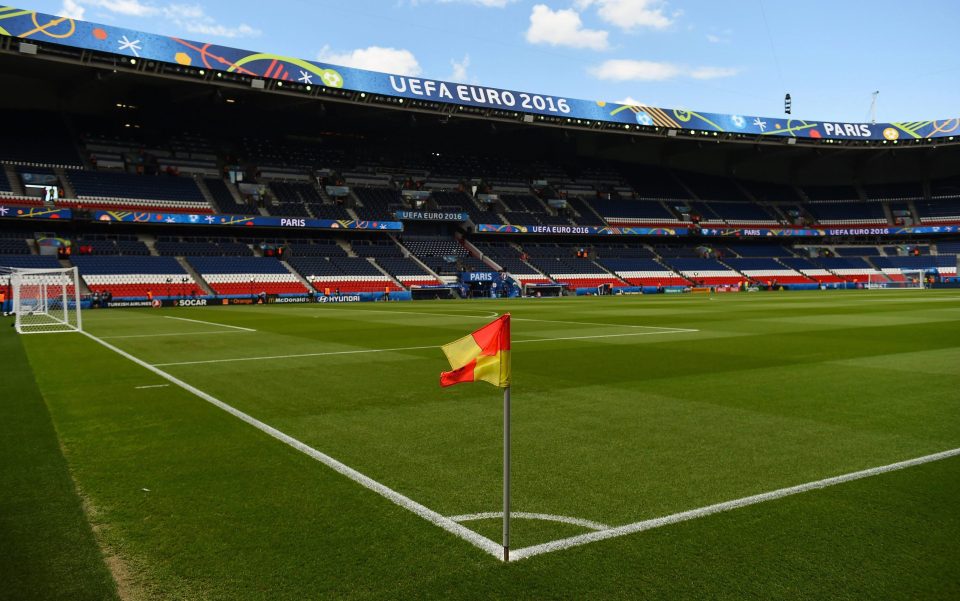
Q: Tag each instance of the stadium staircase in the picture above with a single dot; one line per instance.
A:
(68, 189)
(205, 192)
(297, 275)
(386, 273)
(193, 273)
(66, 264)
(475, 252)
(16, 186)
(150, 241)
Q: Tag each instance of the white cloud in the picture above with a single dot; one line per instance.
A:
(713, 72)
(374, 58)
(189, 17)
(563, 28)
(637, 70)
(72, 10)
(630, 14)
(721, 37)
(629, 101)
(130, 8)
(460, 69)
(215, 29)
(194, 19)
(487, 3)
(633, 70)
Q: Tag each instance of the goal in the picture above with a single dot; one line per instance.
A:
(45, 301)
(904, 280)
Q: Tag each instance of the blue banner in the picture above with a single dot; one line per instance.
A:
(28, 24)
(479, 276)
(245, 221)
(833, 231)
(12, 212)
(580, 230)
(431, 216)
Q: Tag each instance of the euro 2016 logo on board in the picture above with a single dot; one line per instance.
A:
(891, 133)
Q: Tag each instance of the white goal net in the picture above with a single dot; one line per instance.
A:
(45, 301)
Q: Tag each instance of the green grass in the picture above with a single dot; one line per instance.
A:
(771, 390)
(47, 548)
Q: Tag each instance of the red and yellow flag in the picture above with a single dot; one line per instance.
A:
(481, 356)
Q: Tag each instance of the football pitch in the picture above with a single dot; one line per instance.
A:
(736, 446)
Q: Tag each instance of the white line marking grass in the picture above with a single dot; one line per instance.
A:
(525, 515)
(426, 513)
(210, 323)
(574, 541)
(152, 386)
(173, 334)
(411, 348)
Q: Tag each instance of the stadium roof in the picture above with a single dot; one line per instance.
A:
(159, 53)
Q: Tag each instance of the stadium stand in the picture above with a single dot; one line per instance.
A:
(378, 204)
(644, 272)
(135, 277)
(99, 189)
(13, 246)
(177, 247)
(848, 213)
(559, 263)
(759, 250)
(705, 272)
(224, 199)
(942, 210)
(318, 248)
(346, 274)
(407, 271)
(743, 213)
(246, 275)
(893, 267)
(442, 255)
(633, 212)
(767, 271)
(811, 270)
(711, 187)
(851, 269)
(98, 244)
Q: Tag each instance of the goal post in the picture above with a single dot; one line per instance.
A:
(45, 301)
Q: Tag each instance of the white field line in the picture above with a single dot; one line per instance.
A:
(151, 386)
(524, 515)
(489, 315)
(406, 348)
(609, 325)
(407, 503)
(493, 314)
(210, 323)
(574, 541)
(173, 334)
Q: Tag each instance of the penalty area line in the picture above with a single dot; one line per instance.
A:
(477, 540)
(172, 334)
(590, 537)
(408, 348)
(211, 323)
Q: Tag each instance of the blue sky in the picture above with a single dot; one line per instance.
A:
(737, 56)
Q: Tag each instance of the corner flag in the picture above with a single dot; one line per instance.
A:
(481, 356)
(484, 356)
